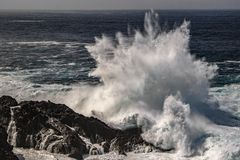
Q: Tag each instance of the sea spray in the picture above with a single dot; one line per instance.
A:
(142, 71)
(141, 77)
(174, 128)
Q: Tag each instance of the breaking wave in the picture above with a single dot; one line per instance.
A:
(151, 80)
(140, 72)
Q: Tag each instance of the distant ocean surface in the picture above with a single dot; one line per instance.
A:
(48, 47)
(45, 55)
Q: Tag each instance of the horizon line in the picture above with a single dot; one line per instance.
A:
(173, 9)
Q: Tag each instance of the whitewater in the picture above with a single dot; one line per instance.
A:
(149, 79)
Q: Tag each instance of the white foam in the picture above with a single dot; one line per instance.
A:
(17, 87)
(12, 130)
(34, 43)
(228, 97)
(140, 73)
(151, 80)
(174, 129)
(31, 154)
(26, 21)
(111, 155)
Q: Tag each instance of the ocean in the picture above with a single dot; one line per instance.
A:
(174, 73)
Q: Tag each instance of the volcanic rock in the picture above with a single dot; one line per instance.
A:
(30, 128)
(5, 103)
(5, 148)
(58, 129)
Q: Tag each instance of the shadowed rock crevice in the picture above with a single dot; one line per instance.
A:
(5, 103)
(5, 149)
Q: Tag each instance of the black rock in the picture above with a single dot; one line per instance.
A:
(106, 146)
(8, 101)
(5, 103)
(127, 141)
(88, 127)
(5, 148)
(58, 129)
(31, 128)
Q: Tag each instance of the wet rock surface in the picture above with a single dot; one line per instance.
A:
(5, 148)
(5, 103)
(58, 129)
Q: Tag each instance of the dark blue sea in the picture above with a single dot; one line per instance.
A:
(48, 47)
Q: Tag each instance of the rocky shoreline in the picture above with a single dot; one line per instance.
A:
(58, 129)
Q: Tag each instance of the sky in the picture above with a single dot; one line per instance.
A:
(117, 4)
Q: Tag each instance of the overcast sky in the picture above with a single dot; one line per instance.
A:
(118, 4)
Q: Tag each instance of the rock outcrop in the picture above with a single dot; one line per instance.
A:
(5, 149)
(58, 129)
(5, 103)
(32, 126)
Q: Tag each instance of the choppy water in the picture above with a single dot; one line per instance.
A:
(48, 47)
(157, 76)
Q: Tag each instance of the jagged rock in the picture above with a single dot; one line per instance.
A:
(96, 149)
(30, 128)
(105, 146)
(58, 129)
(8, 101)
(127, 141)
(5, 148)
(88, 127)
(5, 103)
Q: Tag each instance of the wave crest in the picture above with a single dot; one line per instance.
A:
(139, 75)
